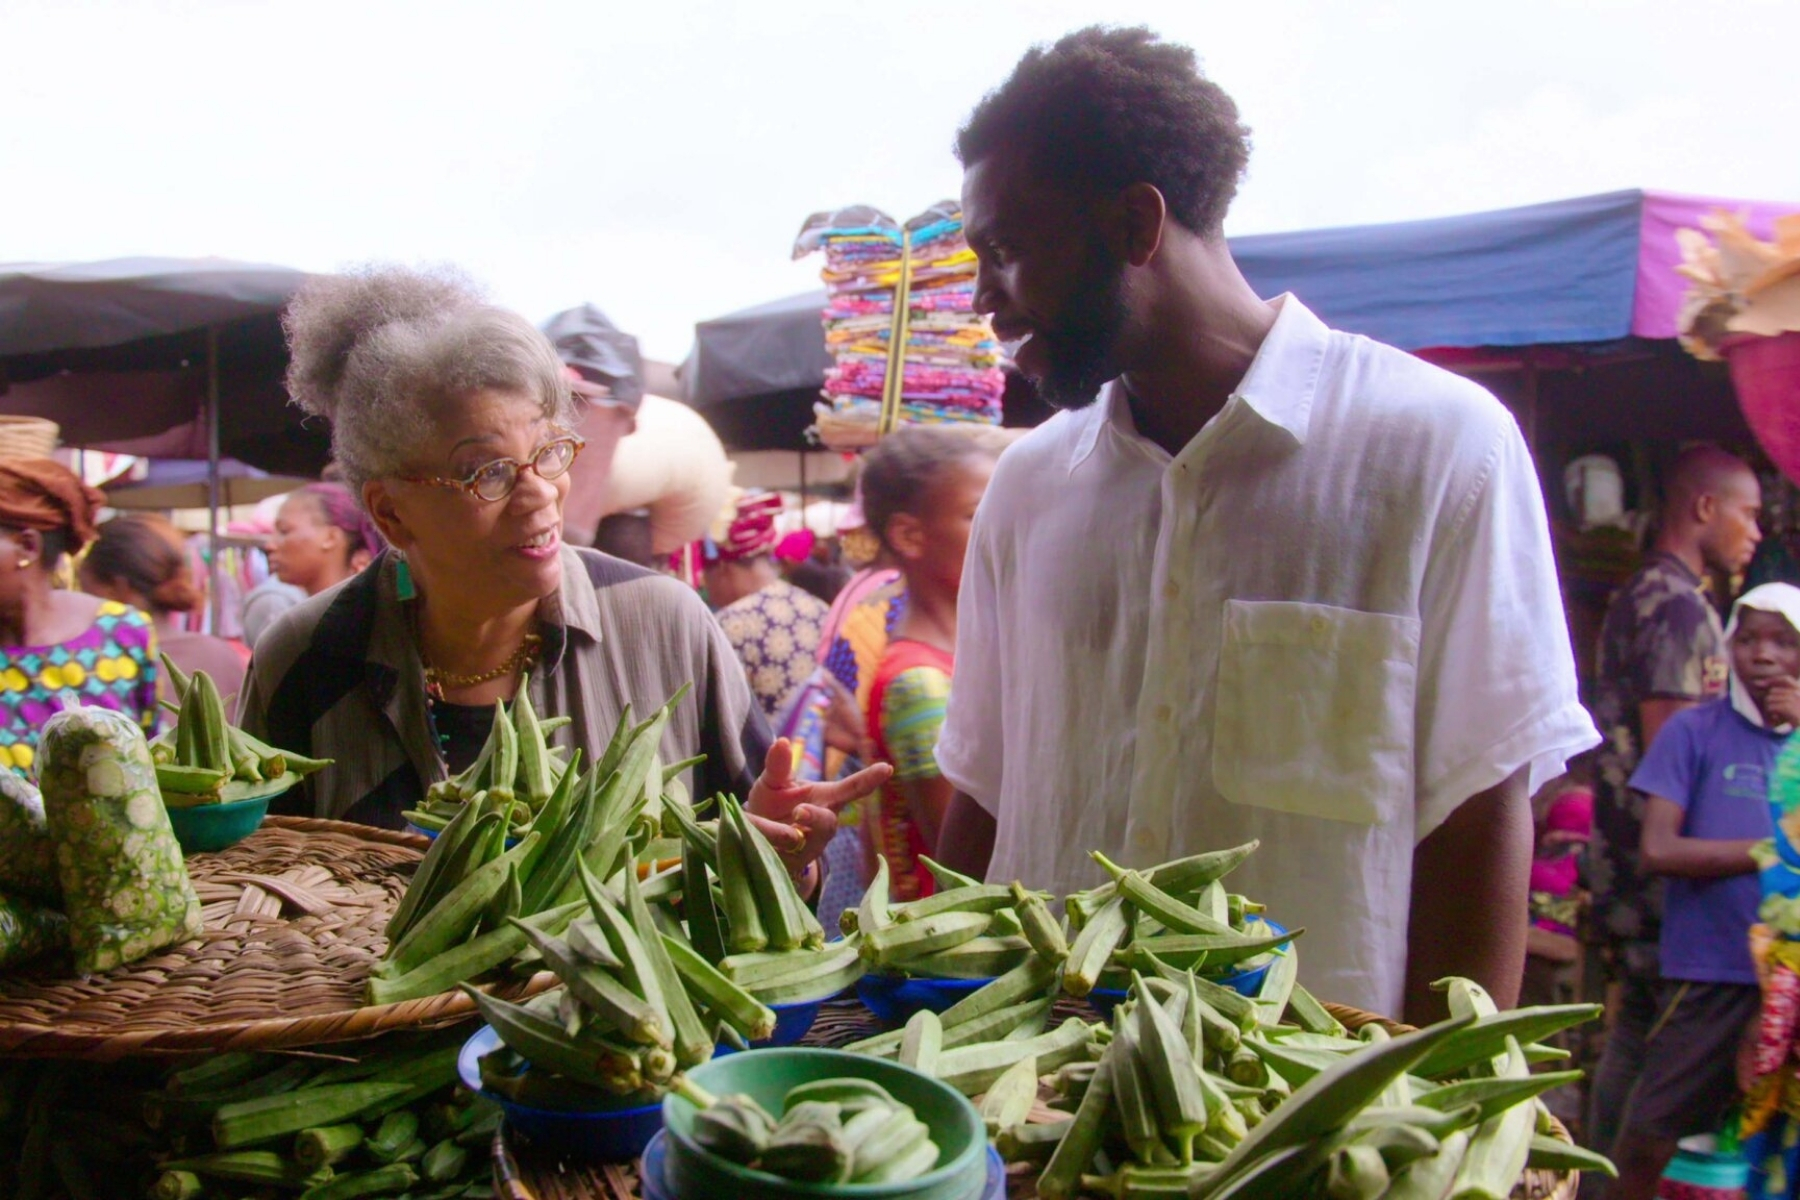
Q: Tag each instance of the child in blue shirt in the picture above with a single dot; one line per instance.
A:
(1706, 784)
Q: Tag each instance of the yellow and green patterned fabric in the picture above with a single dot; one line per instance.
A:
(112, 665)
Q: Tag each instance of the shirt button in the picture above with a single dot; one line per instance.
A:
(1320, 624)
(1164, 713)
(1171, 590)
(1143, 839)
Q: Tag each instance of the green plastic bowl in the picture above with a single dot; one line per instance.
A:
(768, 1075)
(216, 826)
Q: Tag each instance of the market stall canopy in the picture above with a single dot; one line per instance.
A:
(755, 375)
(116, 352)
(182, 483)
(773, 347)
(1591, 269)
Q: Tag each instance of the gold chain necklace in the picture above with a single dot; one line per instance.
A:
(438, 682)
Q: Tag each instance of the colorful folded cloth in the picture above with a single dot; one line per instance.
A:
(952, 368)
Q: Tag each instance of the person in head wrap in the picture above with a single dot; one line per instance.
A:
(322, 537)
(1705, 783)
(60, 648)
(606, 373)
(774, 626)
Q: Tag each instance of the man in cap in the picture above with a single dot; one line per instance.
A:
(606, 371)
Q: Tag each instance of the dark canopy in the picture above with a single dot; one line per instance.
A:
(116, 353)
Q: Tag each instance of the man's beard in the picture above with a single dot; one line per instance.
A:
(1081, 349)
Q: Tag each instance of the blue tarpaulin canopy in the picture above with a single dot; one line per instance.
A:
(1550, 273)
(1594, 269)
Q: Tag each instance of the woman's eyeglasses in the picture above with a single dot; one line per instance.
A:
(496, 480)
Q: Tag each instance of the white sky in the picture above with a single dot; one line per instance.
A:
(657, 157)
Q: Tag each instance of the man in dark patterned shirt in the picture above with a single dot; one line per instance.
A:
(1661, 650)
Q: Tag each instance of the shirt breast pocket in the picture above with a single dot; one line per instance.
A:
(1315, 710)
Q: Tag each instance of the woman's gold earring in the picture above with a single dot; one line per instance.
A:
(24, 563)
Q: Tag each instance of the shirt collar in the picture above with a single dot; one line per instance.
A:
(1279, 386)
(1284, 376)
(574, 607)
(1675, 565)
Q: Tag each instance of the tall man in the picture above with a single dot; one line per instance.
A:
(1274, 582)
(1661, 650)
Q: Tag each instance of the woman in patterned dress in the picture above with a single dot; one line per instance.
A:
(774, 626)
(60, 648)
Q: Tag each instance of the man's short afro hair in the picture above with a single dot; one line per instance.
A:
(1106, 108)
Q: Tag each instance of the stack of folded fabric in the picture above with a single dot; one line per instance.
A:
(951, 369)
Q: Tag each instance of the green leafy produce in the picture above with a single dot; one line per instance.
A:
(833, 1131)
(124, 882)
(27, 855)
(205, 759)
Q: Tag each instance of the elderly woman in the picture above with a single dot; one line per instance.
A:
(450, 419)
(59, 647)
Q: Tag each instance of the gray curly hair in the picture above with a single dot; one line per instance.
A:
(386, 354)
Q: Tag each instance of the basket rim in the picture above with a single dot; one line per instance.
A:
(34, 1040)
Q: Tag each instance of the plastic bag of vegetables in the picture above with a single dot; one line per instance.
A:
(27, 856)
(125, 885)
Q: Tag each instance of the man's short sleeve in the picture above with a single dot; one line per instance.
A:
(1677, 642)
(734, 733)
(1671, 766)
(969, 747)
(1496, 685)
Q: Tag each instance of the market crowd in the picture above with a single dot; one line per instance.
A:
(1259, 579)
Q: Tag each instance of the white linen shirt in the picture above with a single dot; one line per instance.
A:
(1327, 622)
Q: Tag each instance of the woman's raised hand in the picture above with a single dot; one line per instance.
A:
(800, 817)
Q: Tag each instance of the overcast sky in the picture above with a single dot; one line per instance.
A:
(657, 157)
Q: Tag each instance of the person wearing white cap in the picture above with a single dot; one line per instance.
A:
(1705, 780)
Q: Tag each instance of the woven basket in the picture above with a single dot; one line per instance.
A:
(294, 918)
(27, 437)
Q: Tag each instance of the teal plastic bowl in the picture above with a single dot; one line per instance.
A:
(768, 1075)
(215, 826)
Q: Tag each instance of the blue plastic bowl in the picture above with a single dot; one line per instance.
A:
(610, 1136)
(792, 1022)
(1244, 983)
(431, 834)
(895, 998)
